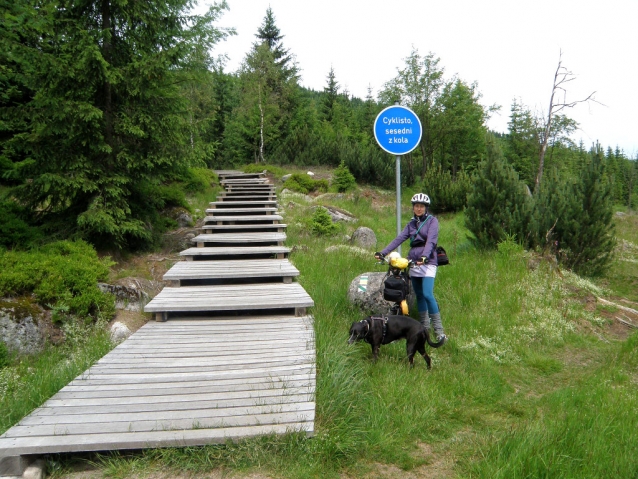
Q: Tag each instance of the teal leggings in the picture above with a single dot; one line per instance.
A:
(424, 290)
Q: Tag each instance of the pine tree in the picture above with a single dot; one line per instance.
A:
(586, 236)
(498, 205)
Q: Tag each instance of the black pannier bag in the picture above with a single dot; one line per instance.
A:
(441, 256)
(396, 287)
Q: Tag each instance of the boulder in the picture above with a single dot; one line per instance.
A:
(366, 292)
(285, 177)
(131, 294)
(21, 328)
(119, 332)
(310, 173)
(364, 237)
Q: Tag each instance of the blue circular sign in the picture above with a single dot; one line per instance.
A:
(397, 129)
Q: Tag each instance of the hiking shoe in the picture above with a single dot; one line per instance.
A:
(441, 337)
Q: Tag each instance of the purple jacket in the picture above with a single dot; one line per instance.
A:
(428, 232)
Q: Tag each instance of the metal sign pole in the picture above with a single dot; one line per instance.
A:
(398, 180)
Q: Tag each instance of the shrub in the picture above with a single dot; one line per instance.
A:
(321, 223)
(15, 231)
(447, 194)
(343, 180)
(260, 167)
(4, 355)
(302, 183)
(199, 179)
(61, 275)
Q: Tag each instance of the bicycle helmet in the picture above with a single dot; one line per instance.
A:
(421, 198)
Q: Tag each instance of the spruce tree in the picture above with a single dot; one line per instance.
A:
(270, 34)
(586, 236)
(498, 206)
(105, 121)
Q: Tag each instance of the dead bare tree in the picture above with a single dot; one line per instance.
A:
(557, 103)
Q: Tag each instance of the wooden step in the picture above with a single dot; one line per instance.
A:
(222, 253)
(271, 239)
(244, 297)
(260, 268)
(244, 203)
(256, 219)
(243, 228)
(241, 211)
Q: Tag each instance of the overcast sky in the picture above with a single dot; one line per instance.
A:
(509, 47)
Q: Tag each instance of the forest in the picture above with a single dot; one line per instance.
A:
(110, 110)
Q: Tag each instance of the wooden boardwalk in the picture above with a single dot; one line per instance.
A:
(231, 355)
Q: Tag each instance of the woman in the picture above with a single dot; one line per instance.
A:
(423, 232)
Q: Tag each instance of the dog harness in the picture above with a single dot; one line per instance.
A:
(385, 325)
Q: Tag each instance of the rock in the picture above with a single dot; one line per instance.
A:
(620, 214)
(184, 220)
(20, 326)
(131, 294)
(337, 214)
(119, 332)
(369, 297)
(310, 173)
(285, 177)
(364, 237)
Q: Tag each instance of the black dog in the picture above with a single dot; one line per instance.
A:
(386, 329)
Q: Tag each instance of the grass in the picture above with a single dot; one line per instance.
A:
(532, 382)
(29, 381)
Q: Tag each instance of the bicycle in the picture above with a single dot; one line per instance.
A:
(396, 282)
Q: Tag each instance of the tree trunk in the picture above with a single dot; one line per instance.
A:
(261, 129)
(106, 87)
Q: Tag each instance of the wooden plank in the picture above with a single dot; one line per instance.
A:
(229, 269)
(64, 403)
(252, 372)
(241, 211)
(240, 238)
(242, 218)
(241, 228)
(300, 414)
(242, 204)
(236, 251)
(140, 440)
(130, 417)
(124, 391)
(230, 298)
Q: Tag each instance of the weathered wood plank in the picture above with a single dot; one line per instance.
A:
(230, 298)
(299, 414)
(213, 229)
(129, 417)
(259, 237)
(242, 218)
(241, 211)
(229, 269)
(128, 390)
(216, 205)
(254, 371)
(139, 440)
(235, 251)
